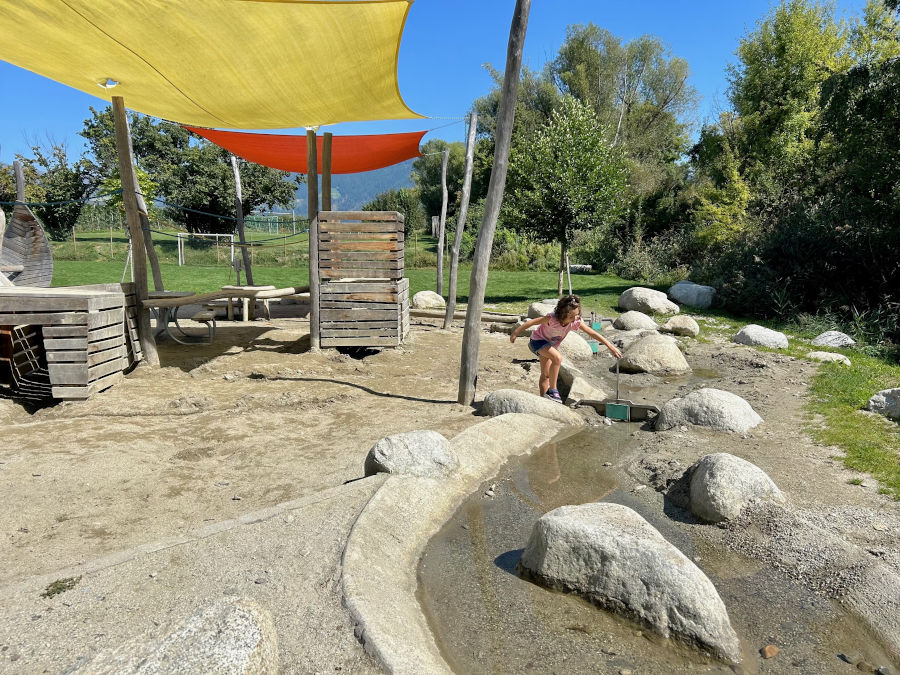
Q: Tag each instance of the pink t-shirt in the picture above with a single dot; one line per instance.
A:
(553, 331)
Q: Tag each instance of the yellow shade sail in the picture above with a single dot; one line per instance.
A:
(249, 64)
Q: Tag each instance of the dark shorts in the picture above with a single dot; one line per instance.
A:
(537, 345)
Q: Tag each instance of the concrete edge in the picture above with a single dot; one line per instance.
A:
(381, 557)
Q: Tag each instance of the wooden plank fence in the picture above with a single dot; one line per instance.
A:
(363, 297)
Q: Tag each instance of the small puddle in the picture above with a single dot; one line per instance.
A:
(486, 619)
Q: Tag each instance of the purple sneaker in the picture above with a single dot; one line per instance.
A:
(553, 395)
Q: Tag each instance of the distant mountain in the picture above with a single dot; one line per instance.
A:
(351, 191)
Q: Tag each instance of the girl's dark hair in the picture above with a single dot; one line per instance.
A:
(566, 304)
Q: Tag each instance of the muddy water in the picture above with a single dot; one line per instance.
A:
(488, 620)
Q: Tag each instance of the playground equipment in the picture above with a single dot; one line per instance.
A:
(622, 410)
(25, 257)
(363, 295)
(67, 343)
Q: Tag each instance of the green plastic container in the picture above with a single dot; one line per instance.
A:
(597, 325)
(595, 346)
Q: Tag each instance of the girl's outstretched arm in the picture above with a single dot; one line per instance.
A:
(609, 345)
(525, 326)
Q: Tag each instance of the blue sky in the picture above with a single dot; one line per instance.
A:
(444, 46)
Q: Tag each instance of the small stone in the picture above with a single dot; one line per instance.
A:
(851, 657)
(152, 575)
(769, 651)
(625, 671)
(489, 493)
(607, 463)
(607, 421)
(885, 670)
(682, 428)
(229, 377)
(289, 518)
(260, 581)
(235, 499)
(865, 667)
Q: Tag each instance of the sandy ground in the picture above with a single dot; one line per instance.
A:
(256, 420)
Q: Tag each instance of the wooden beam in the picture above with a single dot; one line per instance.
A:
(20, 180)
(239, 215)
(461, 219)
(468, 369)
(312, 199)
(326, 171)
(132, 215)
(445, 158)
(437, 314)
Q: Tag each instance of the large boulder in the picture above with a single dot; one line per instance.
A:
(722, 485)
(693, 295)
(681, 325)
(541, 308)
(886, 402)
(647, 300)
(505, 401)
(582, 390)
(758, 336)
(568, 372)
(828, 357)
(632, 320)
(623, 339)
(833, 338)
(611, 556)
(428, 300)
(414, 453)
(575, 348)
(713, 408)
(654, 354)
(233, 636)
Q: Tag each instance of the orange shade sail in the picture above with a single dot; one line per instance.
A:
(349, 154)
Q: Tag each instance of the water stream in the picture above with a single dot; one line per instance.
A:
(488, 620)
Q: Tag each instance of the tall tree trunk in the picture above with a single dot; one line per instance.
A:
(239, 215)
(138, 256)
(461, 219)
(442, 226)
(478, 281)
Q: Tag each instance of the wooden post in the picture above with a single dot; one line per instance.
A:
(326, 171)
(139, 256)
(312, 199)
(461, 219)
(74, 241)
(20, 181)
(434, 225)
(246, 255)
(148, 238)
(443, 223)
(110, 243)
(562, 262)
(472, 334)
(569, 272)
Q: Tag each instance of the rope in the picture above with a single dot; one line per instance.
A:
(65, 201)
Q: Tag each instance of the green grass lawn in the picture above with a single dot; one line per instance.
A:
(837, 393)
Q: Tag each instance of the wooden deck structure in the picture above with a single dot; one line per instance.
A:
(363, 296)
(76, 340)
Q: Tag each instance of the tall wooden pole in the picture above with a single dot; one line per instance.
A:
(132, 215)
(239, 215)
(312, 199)
(442, 224)
(20, 180)
(148, 237)
(326, 171)
(471, 336)
(461, 219)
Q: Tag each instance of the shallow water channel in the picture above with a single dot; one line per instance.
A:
(488, 620)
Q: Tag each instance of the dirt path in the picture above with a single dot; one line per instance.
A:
(249, 422)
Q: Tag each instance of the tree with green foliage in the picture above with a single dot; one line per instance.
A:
(405, 201)
(426, 174)
(188, 171)
(55, 179)
(566, 177)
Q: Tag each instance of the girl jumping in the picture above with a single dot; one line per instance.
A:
(550, 331)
